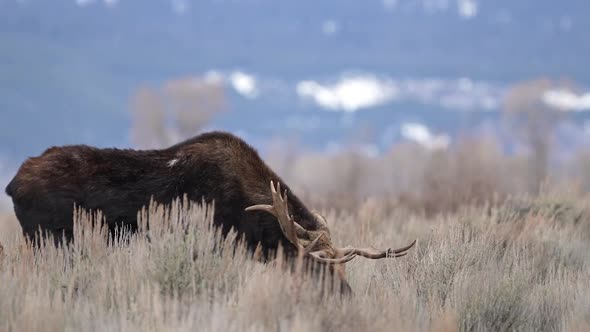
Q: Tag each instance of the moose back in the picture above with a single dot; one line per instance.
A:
(215, 167)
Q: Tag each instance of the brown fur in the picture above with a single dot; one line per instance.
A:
(215, 167)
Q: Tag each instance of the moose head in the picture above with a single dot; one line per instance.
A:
(317, 244)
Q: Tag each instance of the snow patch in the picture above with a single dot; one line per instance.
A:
(244, 84)
(349, 94)
(353, 93)
(567, 101)
(467, 8)
(420, 134)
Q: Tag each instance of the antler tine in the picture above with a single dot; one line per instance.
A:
(312, 244)
(373, 253)
(316, 256)
(262, 207)
(280, 209)
(403, 249)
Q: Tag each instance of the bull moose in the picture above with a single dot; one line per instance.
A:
(212, 167)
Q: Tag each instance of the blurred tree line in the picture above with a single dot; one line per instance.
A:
(474, 170)
(176, 110)
(531, 121)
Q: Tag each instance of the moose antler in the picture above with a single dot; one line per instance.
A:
(280, 209)
(293, 231)
(373, 253)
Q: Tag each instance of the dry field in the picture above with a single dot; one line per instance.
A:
(487, 258)
(520, 265)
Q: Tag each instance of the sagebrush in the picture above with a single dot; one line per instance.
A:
(520, 265)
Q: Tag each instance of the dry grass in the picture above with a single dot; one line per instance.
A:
(523, 265)
(486, 260)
